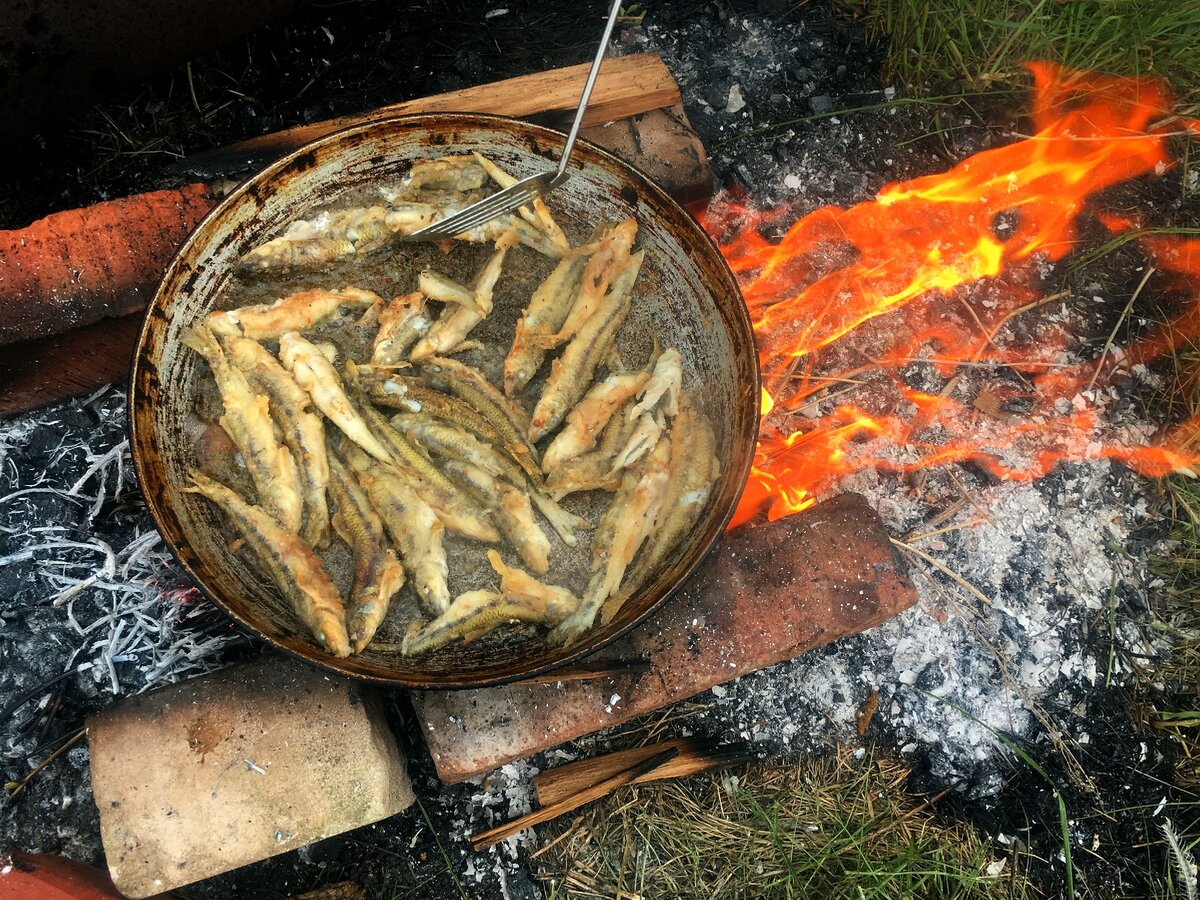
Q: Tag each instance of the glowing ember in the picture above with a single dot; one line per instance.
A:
(937, 276)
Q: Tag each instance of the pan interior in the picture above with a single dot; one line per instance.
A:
(685, 299)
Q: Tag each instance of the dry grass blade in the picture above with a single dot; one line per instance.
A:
(837, 827)
(945, 570)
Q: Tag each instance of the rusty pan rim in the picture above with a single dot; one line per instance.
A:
(144, 468)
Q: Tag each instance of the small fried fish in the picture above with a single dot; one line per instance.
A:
(539, 216)
(545, 314)
(647, 429)
(589, 418)
(377, 573)
(455, 509)
(522, 598)
(446, 173)
(606, 263)
(303, 430)
(511, 509)
(411, 394)
(470, 386)
(452, 442)
(247, 421)
(666, 381)
(457, 320)
(622, 530)
(290, 562)
(572, 372)
(401, 323)
(301, 311)
(693, 468)
(413, 525)
(316, 374)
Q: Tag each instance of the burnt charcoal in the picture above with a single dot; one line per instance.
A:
(820, 104)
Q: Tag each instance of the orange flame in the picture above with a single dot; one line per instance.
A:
(941, 271)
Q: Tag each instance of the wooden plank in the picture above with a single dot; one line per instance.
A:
(626, 86)
(34, 373)
(555, 785)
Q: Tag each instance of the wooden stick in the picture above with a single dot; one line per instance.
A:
(589, 672)
(554, 785)
(626, 86)
(486, 839)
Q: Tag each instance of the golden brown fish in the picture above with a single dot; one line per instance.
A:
(316, 374)
(290, 562)
(413, 525)
(297, 312)
(455, 509)
(571, 373)
(247, 421)
(622, 530)
(693, 468)
(512, 510)
(401, 323)
(589, 418)
(547, 310)
(538, 214)
(457, 319)
(377, 573)
(302, 429)
(470, 386)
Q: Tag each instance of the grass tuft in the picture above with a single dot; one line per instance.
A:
(838, 827)
(984, 41)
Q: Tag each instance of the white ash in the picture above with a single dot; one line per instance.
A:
(1051, 556)
(87, 590)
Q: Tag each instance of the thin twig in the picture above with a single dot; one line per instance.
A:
(1112, 336)
(945, 570)
(15, 787)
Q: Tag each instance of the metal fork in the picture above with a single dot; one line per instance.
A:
(527, 189)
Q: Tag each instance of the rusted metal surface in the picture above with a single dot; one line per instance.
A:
(686, 296)
(768, 593)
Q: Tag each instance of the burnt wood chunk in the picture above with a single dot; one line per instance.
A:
(767, 593)
(74, 268)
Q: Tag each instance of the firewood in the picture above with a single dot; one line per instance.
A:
(627, 86)
(554, 785)
(485, 839)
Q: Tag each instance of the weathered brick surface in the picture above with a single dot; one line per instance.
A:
(770, 592)
(233, 767)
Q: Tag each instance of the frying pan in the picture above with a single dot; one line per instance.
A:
(686, 298)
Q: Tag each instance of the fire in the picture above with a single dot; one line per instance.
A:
(897, 334)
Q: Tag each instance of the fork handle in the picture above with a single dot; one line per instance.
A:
(561, 174)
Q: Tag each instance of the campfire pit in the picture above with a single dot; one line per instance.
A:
(1025, 608)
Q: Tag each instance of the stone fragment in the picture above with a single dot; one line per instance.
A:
(233, 767)
(767, 593)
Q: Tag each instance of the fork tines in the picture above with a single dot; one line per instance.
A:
(485, 210)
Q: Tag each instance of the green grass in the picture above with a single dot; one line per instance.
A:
(838, 827)
(983, 41)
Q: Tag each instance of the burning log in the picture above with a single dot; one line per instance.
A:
(78, 267)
